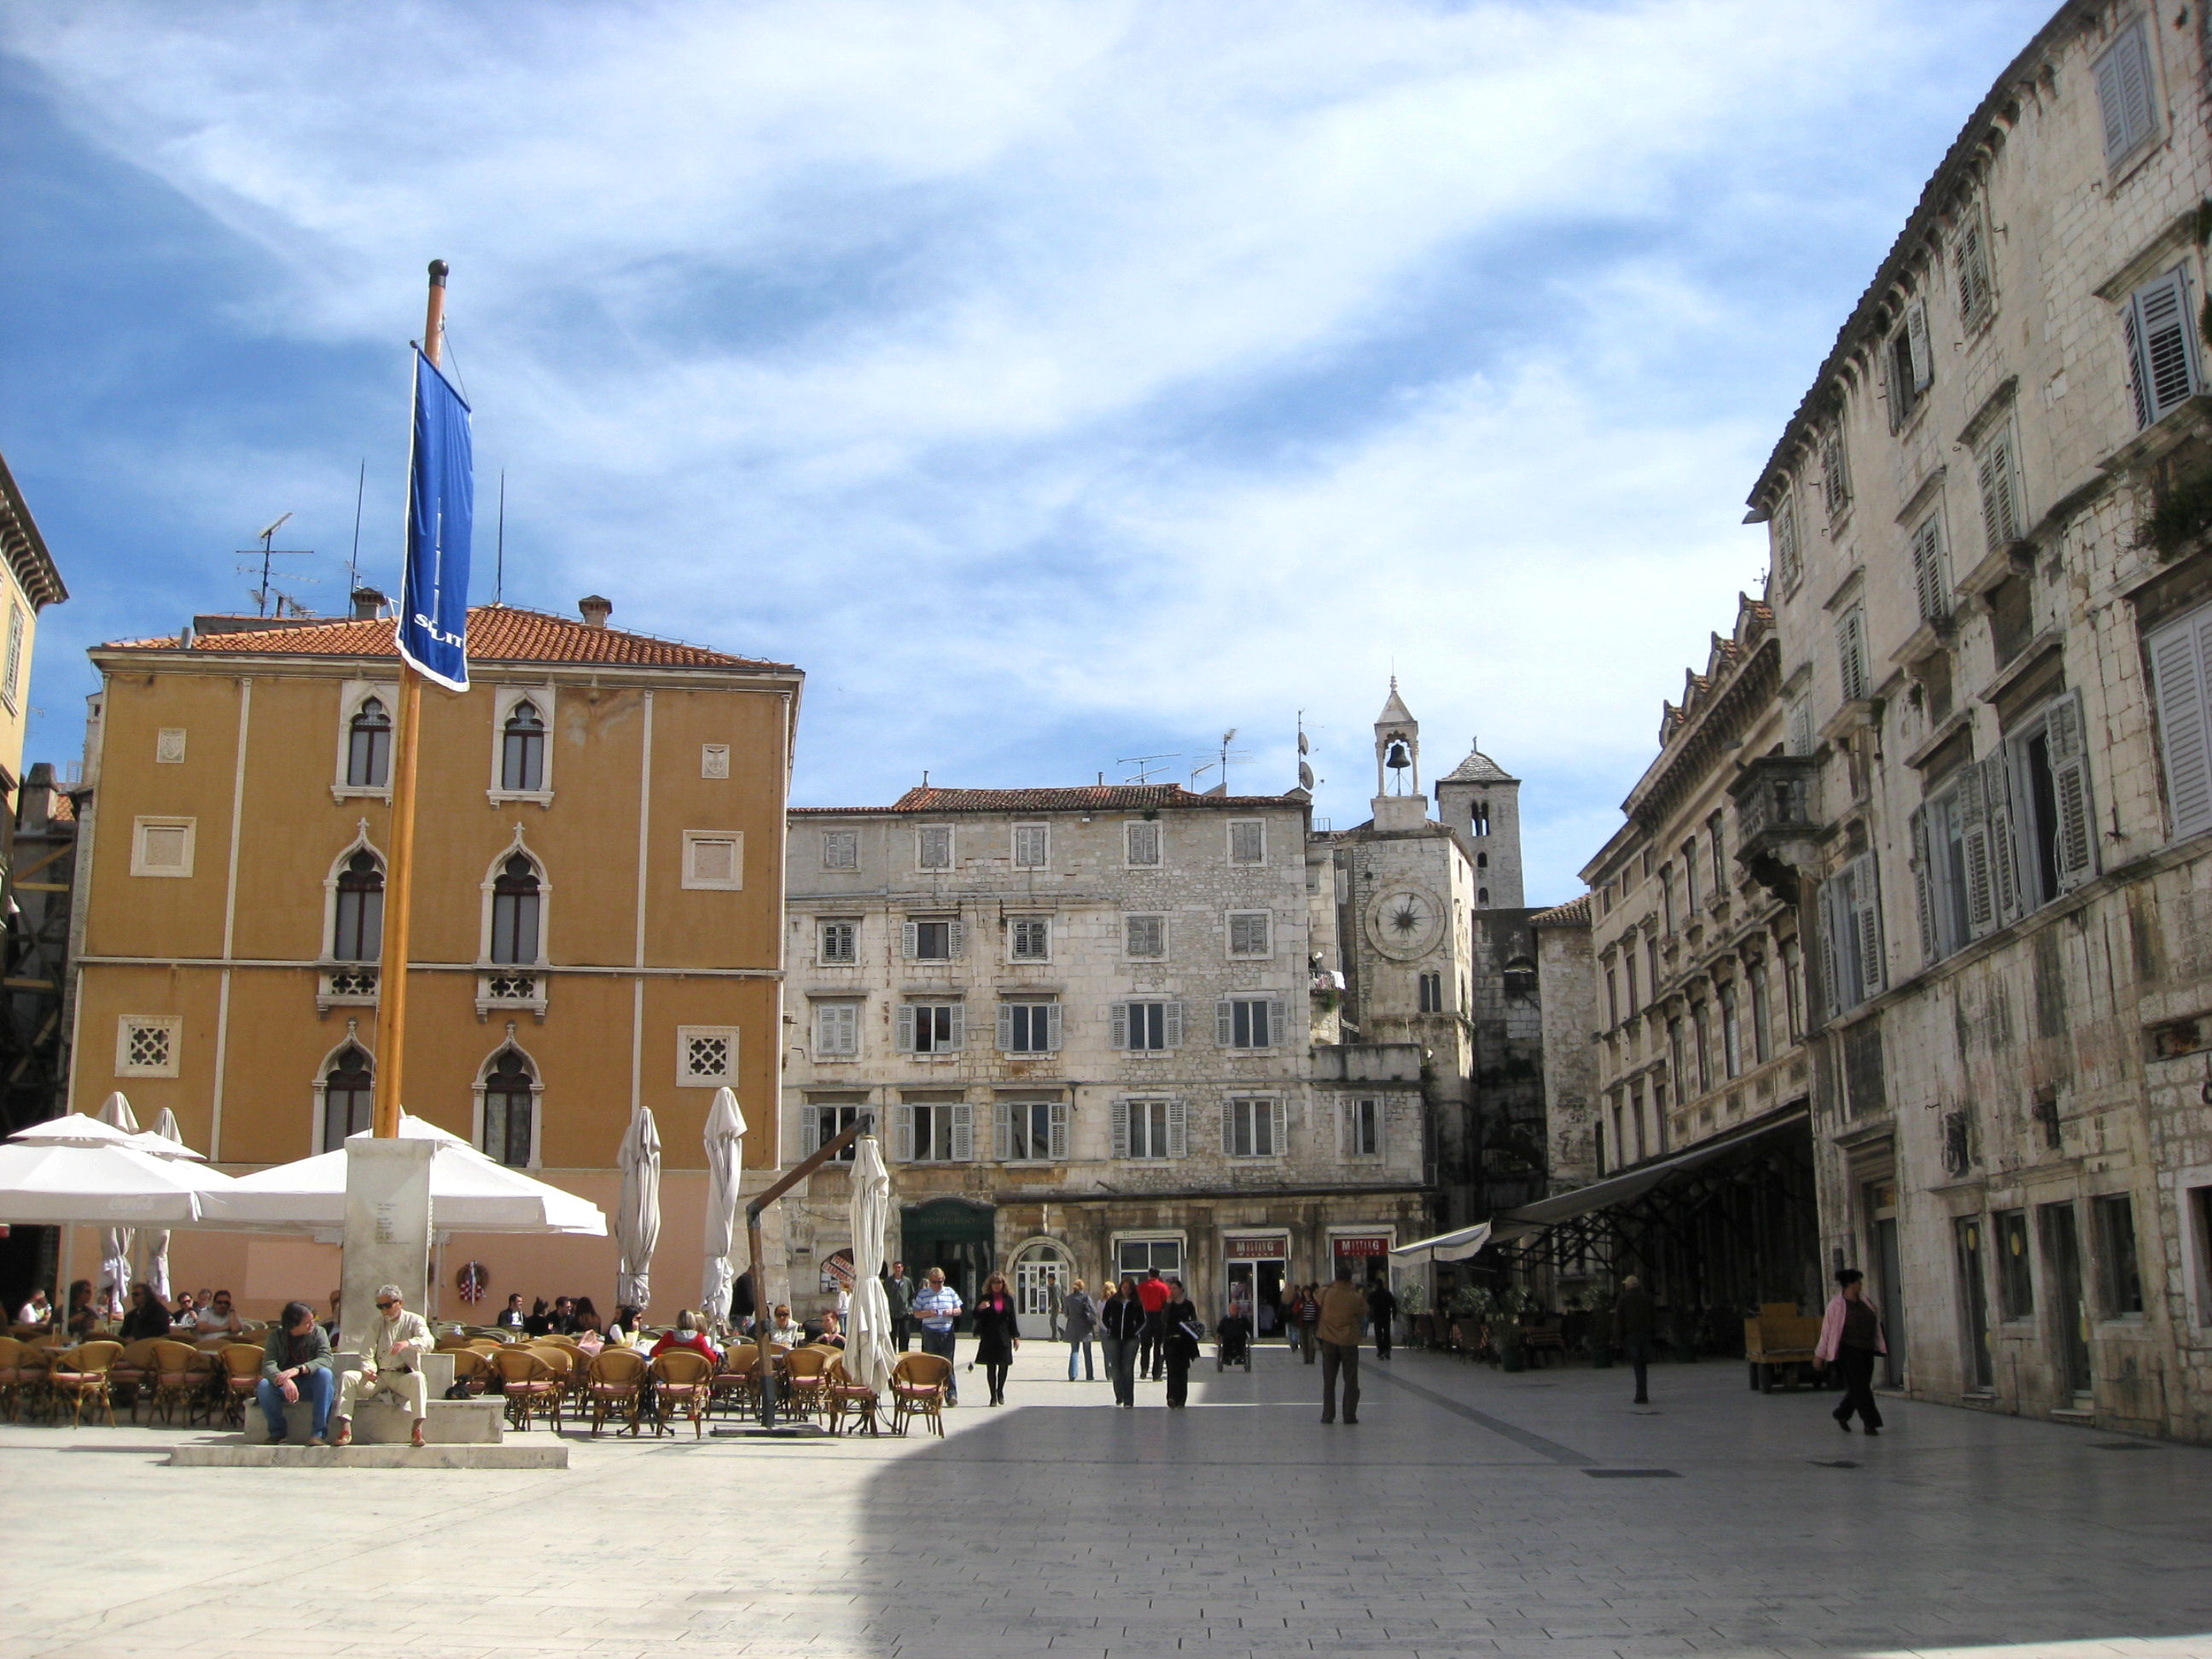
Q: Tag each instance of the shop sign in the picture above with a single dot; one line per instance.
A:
(1272, 1249)
(1375, 1244)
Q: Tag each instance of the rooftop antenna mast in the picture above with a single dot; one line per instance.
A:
(353, 564)
(269, 552)
(1305, 768)
(1223, 759)
(1146, 765)
(499, 567)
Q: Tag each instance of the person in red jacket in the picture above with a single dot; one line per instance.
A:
(1151, 1350)
(687, 1335)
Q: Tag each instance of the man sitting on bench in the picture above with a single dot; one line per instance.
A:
(397, 1340)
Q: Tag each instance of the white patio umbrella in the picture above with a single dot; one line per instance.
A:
(868, 1350)
(725, 1136)
(166, 1128)
(469, 1194)
(637, 1218)
(115, 1250)
(77, 1170)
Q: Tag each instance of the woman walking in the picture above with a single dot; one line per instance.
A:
(1121, 1320)
(1078, 1317)
(1309, 1321)
(1181, 1345)
(1850, 1336)
(996, 1337)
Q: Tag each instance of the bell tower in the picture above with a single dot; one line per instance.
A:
(1399, 802)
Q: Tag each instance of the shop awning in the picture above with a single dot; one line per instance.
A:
(1509, 1224)
(1444, 1247)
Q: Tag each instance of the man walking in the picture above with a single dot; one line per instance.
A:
(1634, 1319)
(898, 1293)
(937, 1307)
(1337, 1332)
(1381, 1314)
(393, 1365)
(1152, 1347)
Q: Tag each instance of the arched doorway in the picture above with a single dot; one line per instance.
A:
(1042, 1272)
(953, 1234)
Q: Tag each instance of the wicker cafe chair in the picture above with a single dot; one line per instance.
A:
(733, 1384)
(847, 1397)
(532, 1384)
(615, 1385)
(806, 1380)
(683, 1381)
(170, 1379)
(473, 1367)
(920, 1383)
(80, 1374)
(132, 1373)
(15, 1375)
(241, 1376)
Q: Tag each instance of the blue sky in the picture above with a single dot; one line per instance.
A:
(1054, 384)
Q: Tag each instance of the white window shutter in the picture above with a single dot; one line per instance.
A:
(1974, 840)
(1800, 727)
(2075, 832)
(1177, 1139)
(963, 1133)
(954, 938)
(2124, 94)
(903, 1140)
(1927, 573)
(1225, 1025)
(1278, 1022)
(1916, 336)
(906, 1028)
(1228, 1128)
(2004, 841)
(1832, 957)
(1057, 1145)
(1866, 896)
(1993, 474)
(1171, 1025)
(2183, 689)
(1276, 1111)
(2161, 352)
(959, 1039)
(907, 934)
(1787, 558)
(1052, 1016)
(809, 1131)
(1005, 1027)
(1120, 1128)
(1924, 888)
(1117, 1021)
(1002, 1131)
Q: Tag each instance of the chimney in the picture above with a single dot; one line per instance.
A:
(367, 603)
(595, 609)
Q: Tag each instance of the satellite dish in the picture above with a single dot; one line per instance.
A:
(1305, 775)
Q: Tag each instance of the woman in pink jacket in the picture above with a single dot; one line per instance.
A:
(1850, 1336)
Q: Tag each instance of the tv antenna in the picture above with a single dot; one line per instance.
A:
(1223, 759)
(270, 551)
(1146, 765)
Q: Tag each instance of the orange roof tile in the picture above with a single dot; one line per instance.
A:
(497, 633)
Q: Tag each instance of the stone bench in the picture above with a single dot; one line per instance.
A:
(380, 1423)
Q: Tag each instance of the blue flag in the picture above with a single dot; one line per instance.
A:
(433, 599)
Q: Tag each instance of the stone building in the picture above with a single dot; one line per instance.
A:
(1084, 1020)
(599, 904)
(1988, 777)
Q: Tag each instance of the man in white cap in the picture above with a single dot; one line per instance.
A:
(397, 1340)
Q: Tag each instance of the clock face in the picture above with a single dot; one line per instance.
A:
(1404, 922)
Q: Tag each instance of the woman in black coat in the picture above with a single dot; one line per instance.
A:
(1181, 1347)
(1121, 1325)
(996, 1334)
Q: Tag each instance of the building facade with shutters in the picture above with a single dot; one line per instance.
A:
(1084, 1022)
(599, 903)
(1992, 592)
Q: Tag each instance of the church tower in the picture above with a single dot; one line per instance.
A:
(1479, 802)
(1399, 801)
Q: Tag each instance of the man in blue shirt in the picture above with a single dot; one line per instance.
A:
(937, 1306)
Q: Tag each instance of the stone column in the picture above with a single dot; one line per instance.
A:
(387, 1231)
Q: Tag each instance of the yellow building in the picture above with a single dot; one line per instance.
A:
(598, 901)
(31, 583)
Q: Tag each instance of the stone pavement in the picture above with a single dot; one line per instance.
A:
(1468, 1513)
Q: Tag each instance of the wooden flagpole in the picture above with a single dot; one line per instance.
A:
(399, 871)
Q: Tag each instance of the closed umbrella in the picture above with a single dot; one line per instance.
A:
(157, 1245)
(637, 1218)
(725, 1136)
(868, 1352)
(115, 1249)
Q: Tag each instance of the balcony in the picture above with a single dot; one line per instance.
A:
(511, 990)
(345, 985)
(1779, 832)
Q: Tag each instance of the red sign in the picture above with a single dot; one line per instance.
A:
(1258, 1249)
(1377, 1245)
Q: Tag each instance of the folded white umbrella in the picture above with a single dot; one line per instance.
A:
(115, 1250)
(637, 1218)
(166, 1128)
(726, 1154)
(469, 1194)
(868, 1353)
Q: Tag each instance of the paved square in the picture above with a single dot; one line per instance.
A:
(1467, 1513)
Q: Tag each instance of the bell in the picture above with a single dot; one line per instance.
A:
(1397, 757)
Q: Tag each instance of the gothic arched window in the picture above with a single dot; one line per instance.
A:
(522, 749)
(1478, 818)
(368, 747)
(515, 899)
(510, 1108)
(357, 920)
(348, 1091)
